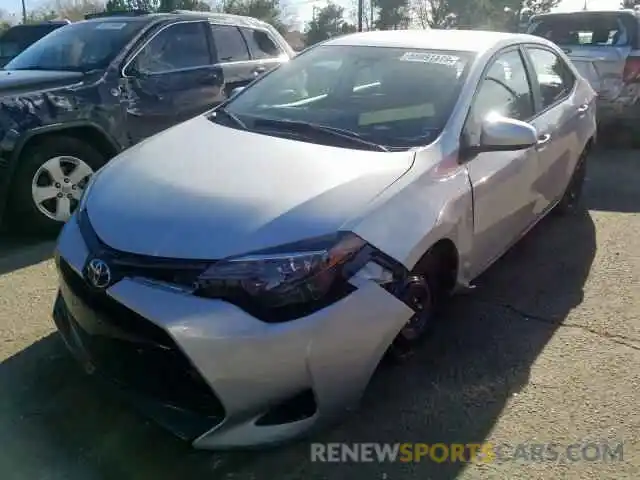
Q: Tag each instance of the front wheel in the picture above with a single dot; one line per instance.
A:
(420, 295)
(50, 182)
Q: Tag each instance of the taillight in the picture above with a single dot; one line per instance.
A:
(631, 72)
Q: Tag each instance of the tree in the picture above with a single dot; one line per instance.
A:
(434, 13)
(327, 22)
(519, 9)
(392, 14)
(368, 17)
(73, 10)
(487, 14)
(269, 11)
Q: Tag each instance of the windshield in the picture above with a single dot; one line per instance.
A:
(81, 46)
(395, 97)
(582, 29)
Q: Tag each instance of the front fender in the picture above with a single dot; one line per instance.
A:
(433, 201)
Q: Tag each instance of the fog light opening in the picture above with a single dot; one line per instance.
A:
(298, 407)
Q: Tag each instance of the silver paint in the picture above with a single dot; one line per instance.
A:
(262, 191)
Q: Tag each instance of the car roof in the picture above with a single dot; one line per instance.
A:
(474, 41)
(622, 11)
(182, 15)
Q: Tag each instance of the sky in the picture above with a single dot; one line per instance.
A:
(303, 9)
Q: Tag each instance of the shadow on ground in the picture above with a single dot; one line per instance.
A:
(20, 251)
(613, 177)
(54, 423)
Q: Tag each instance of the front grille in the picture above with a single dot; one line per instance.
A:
(124, 264)
(121, 316)
(148, 362)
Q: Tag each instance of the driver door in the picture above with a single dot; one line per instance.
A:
(502, 182)
(171, 79)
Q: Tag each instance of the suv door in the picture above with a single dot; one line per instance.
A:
(232, 53)
(557, 122)
(172, 77)
(264, 49)
(502, 181)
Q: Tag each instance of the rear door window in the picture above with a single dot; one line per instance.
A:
(593, 30)
(554, 75)
(260, 44)
(229, 43)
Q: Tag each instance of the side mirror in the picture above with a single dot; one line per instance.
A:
(502, 134)
(236, 91)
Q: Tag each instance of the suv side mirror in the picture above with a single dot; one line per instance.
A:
(236, 91)
(500, 134)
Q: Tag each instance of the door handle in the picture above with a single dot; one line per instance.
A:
(583, 108)
(259, 71)
(544, 139)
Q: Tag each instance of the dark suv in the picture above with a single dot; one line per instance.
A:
(85, 92)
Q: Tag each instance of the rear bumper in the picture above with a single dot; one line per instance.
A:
(217, 370)
(621, 110)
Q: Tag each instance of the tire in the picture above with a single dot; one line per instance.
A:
(570, 202)
(425, 293)
(33, 178)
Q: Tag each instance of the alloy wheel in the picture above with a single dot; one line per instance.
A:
(58, 186)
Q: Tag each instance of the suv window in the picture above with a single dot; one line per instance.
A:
(179, 46)
(229, 43)
(505, 90)
(588, 29)
(80, 46)
(260, 44)
(554, 76)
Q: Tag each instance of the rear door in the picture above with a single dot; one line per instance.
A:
(233, 56)
(598, 43)
(264, 49)
(559, 115)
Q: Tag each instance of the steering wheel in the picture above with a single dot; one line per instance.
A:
(504, 85)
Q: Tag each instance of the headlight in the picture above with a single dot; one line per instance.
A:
(287, 282)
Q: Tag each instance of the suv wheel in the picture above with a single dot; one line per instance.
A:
(50, 182)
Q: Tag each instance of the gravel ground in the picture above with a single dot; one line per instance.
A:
(546, 349)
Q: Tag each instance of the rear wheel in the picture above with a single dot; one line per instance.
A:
(571, 200)
(50, 182)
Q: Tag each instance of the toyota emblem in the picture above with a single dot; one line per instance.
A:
(98, 274)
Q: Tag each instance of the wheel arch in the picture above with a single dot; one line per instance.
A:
(81, 130)
(86, 131)
(444, 257)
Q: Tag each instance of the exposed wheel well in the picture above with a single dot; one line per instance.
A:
(88, 134)
(440, 260)
(589, 145)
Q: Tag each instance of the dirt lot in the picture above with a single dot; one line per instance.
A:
(547, 349)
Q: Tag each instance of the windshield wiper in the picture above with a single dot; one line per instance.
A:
(300, 126)
(234, 118)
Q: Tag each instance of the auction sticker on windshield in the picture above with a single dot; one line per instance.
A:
(111, 26)
(439, 58)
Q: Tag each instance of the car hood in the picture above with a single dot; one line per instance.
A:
(205, 191)
(16, 82)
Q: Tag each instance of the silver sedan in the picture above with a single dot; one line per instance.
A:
(241, 275)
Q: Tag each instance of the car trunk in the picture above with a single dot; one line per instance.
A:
(598, 44)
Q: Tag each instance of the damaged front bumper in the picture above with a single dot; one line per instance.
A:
(214, 374)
